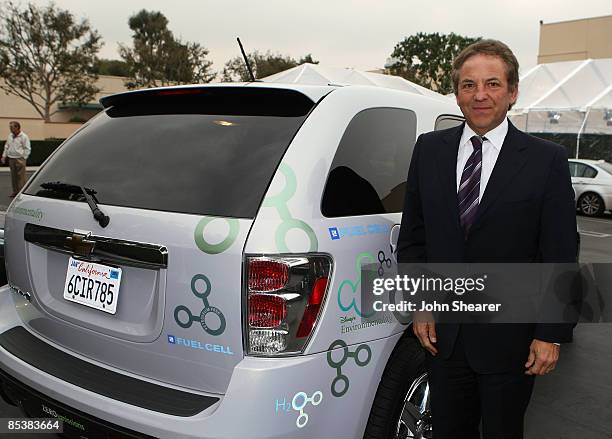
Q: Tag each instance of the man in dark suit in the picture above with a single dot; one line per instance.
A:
(487, 192)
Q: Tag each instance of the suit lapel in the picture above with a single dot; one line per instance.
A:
(511, 159)
(447, 167)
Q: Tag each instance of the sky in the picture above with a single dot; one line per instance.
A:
(339, 33)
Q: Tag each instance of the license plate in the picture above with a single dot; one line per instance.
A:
(93, 285)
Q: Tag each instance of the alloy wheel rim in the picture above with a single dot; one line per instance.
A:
(590, 204)
(415, 417)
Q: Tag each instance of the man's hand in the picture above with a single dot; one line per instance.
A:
(543, 357)
(424, 328)
(2, 160)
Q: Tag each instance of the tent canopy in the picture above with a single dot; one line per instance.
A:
(568, 85)
(566, 97)
(314, 74)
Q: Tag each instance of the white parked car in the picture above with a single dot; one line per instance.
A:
(592, 182)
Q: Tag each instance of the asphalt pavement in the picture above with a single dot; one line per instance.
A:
(574, 401)
(595, 238)
(6, 189)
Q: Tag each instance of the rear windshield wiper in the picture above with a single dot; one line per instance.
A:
(88, 193)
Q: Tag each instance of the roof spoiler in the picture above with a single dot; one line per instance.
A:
(228, 100)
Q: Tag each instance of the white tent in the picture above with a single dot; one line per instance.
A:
(314, 74)
(566, 97)
(570, 99)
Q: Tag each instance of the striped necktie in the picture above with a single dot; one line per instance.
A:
(469, 188)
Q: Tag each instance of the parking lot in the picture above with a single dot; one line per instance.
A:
(5, 188)
(572, 402)
(596, 238)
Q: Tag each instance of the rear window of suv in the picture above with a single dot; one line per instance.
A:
(202, 151)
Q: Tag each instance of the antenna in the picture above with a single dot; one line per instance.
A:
(246, 61)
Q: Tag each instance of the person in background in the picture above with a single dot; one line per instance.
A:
(17, 149)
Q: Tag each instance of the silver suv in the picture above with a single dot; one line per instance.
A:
(187, 265)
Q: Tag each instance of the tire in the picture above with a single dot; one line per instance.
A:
(591, 204)
(402, 387)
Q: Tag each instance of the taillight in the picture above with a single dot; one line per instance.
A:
(266, 310)
(285, 296)
(267, 275)
(313, 307)
(181, 91)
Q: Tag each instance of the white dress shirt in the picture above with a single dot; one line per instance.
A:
(490, 151)
(17, 147)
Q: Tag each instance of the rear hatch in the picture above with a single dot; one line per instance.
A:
(181, 174)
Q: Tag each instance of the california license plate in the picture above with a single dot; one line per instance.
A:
(93, 285)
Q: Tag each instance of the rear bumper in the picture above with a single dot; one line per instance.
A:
(260, 401)
(22, 344)
(37, 405)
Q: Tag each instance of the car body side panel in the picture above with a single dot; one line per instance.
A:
(290, 218)
(601, 184)
(604, 191)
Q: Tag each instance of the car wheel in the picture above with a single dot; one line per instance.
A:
(591, 204)
(401, 406)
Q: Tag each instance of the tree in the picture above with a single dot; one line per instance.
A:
(112, 67)
(307, 59)
(47, 57)
(426, 59)
(262, 64)
(158, 58)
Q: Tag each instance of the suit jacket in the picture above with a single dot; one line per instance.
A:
(526, 214)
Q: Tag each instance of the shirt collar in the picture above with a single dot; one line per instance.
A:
(496, 136)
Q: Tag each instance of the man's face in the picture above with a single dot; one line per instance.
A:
(483, 93)
(13, 129)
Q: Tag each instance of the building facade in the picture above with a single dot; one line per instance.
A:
(575, 40)
(63, 123)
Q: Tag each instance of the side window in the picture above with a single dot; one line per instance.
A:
(368, 173)
(447, 121)
(573, 167)
(585, 171)
(589, 172)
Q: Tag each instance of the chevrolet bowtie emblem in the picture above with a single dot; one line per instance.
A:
(80, 244)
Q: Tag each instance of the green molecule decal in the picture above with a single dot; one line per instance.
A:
(346, 354)
(349, 287)
(279, 202)
(206, 309)
(213, 249)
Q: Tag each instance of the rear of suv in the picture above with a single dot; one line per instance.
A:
(187, 264)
